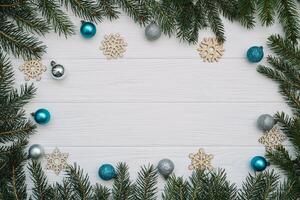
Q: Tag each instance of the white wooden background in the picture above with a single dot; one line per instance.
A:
(160, 101)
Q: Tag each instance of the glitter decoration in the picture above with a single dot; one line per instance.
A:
(200, 160)
(113, 46)
(33, 69)
(57, 161)
(272, 139)
(210, 50)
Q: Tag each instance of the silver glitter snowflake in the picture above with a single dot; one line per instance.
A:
(57, 161)
(272, 139)
(33, 69)
(113, 46)
(200, 160)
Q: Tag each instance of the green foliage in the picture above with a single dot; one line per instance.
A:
(268, 10)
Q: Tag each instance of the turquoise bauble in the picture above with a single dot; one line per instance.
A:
(259, 163)
(87, 29)
(255, 54)
(107, 172)
(42, 116)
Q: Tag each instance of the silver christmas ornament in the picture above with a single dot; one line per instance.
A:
(57, 71)
(165, 167)
(265, 122)
(36, 151)
(152, 31)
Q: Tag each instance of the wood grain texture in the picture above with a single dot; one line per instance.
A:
(159, 101)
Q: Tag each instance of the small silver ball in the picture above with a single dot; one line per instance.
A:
(265, 122)
(57, 71)
(152, 31)
(36, 151)
(165, 167)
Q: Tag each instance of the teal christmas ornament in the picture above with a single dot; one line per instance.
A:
(259, 163)
(87, 29)
(41, 116)
(255, 54)
(107, 172)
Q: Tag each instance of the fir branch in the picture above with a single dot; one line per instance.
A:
(64, 190)
(6, 76)
(109, 9)
(41, 189)
(229, 8)
(146, 184)
(80, 183)
(286, 191)
(266, 11)
(50, 9)
(19, 131)
(122, 189)
(18, 42)
(175, 188)
(289, 18)
(101, 192)
(246, 10)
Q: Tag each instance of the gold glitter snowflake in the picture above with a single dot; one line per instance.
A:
(113, 46)
(33, 69)
(57, 161)
(210, 50)
(200, 160)
(272, 139)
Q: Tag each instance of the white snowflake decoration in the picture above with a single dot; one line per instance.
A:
(113, 46)
(272, 139)
(200, 160)
(210, 50)
(57, 161)
(33, 69)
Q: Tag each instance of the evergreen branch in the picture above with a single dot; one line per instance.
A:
(122, 189)
(13, 4)
(146, 184)
(229, 8)
(289, 18)
(19, 131)
(266, 11)
(175, 188)
(18, 42)
(246, 11)
(50, 9)
(6, 76)
(80, 183)
(41, 190)
(286, 191)
(85, 9)
(109, 9)
(64, 190)
(101, 192)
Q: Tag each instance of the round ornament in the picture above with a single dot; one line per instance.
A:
(36, 151)
(259, 163)
(42, 116)
(265, 122)
(152, 31)
(57, 71)
(107, 172)
(165, 167)
(255, 54)
(87, 29)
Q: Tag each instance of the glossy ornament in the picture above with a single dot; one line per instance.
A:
(42, 116)
(57, 71)
(152, 31)
(265, 122)
(259, 163)
(36, 151)
(255, 54)
(87, 29)
(107, 172)
(165, 167)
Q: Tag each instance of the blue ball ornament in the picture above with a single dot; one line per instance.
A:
(259, 163)
(87, 29)
(42, 116)
(107, 172)
(255, 54)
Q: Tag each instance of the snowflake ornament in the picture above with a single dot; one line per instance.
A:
(200, 160)
(57, 161)
(33, 69)
(113, 46)
(210, 50)
(272, 139)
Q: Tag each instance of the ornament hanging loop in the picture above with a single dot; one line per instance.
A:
(52, 63)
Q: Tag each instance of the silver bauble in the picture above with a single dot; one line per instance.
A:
(36, 151)
(165, 167)
(265, 122)
(57, 71)
(152, 31)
